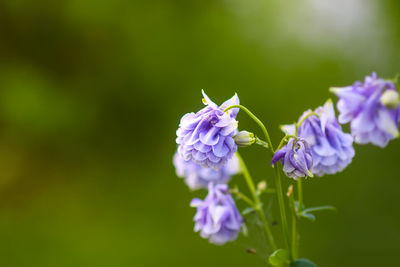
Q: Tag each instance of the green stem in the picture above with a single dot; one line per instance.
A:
(284, 139)
(295, 241)
(261, 142)
(258, 121)
(281, 202)
(278, 183)
(300, 194)
(243, 197)
(257, 203)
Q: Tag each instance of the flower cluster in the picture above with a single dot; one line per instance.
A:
(372, 109)
(205, 159)
(197, 177)
(332, 149)
(296, 158)
(314, 145)
(217, 217)
(206, 137)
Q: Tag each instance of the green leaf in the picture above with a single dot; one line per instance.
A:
(320, 208)
(279, 258)
(245, 231)
(303, 263)
(248, 210)
(306, 213)
(308, 216)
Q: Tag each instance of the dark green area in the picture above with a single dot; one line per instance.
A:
(91, 93)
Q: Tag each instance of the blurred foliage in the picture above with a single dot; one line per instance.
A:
(91, 93)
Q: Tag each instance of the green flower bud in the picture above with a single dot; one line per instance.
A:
(244, 138)
(390, 99)
(262, 186)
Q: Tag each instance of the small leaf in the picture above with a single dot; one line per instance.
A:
(297, 205)
(320, 208)
(248, 210)
(279, 258)
(303, 263)
(245, 231)
(308, 216)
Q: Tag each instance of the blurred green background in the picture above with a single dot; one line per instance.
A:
(91, 93)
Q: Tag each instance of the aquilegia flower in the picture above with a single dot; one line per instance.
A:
(217, 217)
(332, 149)
(296, 158)
(197, 177)
(205, 137)
(368, 107)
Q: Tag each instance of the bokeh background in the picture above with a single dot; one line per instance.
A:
(91, 93)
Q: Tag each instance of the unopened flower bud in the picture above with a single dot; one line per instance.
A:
(244, 138)
(290, 191)
(390, 99)
(262, 186)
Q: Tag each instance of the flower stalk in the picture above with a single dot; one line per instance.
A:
(258, 121)
(282, 209)
(278, 182)
(256, 201)
(295, 235)
(300, 195)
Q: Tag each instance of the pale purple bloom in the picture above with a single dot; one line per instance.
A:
(332, 149)
(217, 217)
(197, 177)
(205, 137)
(360, 104)
(296, 158)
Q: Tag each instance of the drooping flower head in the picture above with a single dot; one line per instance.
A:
(332, 149)
(205, 137)
(217, 217)
(197, 177)
(296, 158)
(369, 108)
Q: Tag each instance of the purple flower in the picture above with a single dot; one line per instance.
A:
(296, 158)
(365, 106)
(197, 177)
(217, 217)
(205, 137)
(332, 149)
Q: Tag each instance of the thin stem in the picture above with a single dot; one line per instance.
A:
(295, 241)
(257, 203)
(243, 197)
(300, 194)
(282, 209)
(258, 121)
(278, 183)
(284, 139)
(261, 142)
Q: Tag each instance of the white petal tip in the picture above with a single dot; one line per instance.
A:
(334, 89)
